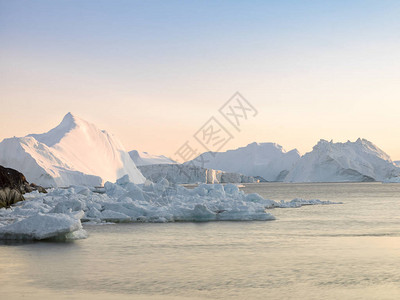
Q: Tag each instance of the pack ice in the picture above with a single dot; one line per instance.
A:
(74, 152)
(59, 213)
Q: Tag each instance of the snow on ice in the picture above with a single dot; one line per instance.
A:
(59, 213)
(268, 160)
(74, 152)
(327, 162)
(340, 162)
(146, 159)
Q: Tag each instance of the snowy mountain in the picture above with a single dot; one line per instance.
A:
(397, 163)
(145, 159)
(74, 152)
(341, 162)
(268, 160)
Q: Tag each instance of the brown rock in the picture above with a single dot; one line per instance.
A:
(13, 185)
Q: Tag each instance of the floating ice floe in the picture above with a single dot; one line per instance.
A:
(59, 213)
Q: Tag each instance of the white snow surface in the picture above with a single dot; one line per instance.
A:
(74, 152)
(59, 213)
(340, 162)
(268, 160)
(145, 158)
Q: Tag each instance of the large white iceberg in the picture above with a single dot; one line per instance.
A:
(267, 160)
(59, 213)
(327, 162)
(339, 162)
(74, 152)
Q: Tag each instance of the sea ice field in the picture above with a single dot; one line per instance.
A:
(60, 213)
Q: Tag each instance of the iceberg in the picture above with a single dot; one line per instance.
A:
(44, 226)
(60, 213)
(269, 161)
(340, 162)
(146, 159)
(180, 173)
(328, 162)
(74, 152)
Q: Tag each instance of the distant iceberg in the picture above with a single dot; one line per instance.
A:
(340, 162)
(269, 161)
(328, 162)
(178, 173)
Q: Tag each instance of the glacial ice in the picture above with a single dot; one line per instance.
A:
(74, 152)
(59, 213)
(328, 162)
(187, 174)
(41, 226)
(392, 180)
(340, 162)
(146, 159)
(268, 160)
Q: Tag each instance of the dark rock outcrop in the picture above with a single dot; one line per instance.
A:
(13, 185)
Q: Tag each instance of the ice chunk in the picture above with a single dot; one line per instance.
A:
(42, 226)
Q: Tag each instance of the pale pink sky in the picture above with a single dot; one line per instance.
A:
(153, 74)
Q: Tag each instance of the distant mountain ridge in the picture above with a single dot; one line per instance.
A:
(75, 152)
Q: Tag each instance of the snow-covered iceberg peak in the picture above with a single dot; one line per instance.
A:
(71, 153)
(338, 162)
(55, 135)
(359, 146)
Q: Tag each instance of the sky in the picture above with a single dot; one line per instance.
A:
(154, 72)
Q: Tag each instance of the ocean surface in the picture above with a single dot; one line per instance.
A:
(344, 251)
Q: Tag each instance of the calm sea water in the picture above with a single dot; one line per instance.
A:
(347, 251)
